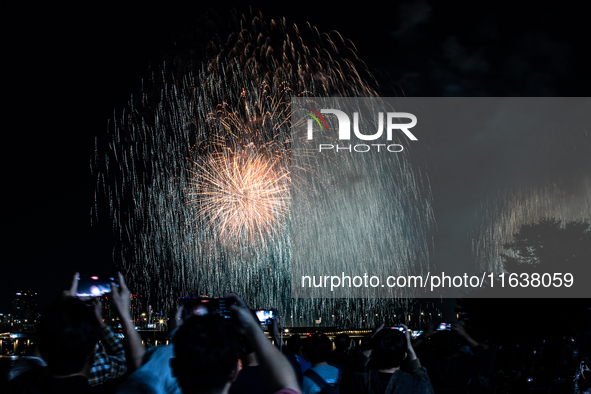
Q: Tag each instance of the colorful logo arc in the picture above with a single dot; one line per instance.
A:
(317, 117)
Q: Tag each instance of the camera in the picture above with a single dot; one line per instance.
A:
(265, 316)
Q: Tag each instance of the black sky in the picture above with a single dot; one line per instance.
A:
(68, 66)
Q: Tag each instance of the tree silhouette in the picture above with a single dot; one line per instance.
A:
(544, 247)
(548, 246)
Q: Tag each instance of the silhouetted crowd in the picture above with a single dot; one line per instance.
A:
(229, 352)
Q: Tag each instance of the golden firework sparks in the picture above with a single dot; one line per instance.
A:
(243, 197)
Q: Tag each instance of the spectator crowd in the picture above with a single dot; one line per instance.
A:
(225, 350)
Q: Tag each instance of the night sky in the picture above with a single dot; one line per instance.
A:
(68, 67)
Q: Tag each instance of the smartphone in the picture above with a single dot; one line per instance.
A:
(265, 316)
(401, 329)
(94, 286)
(444, 327)
(414, 334)
(201, 306)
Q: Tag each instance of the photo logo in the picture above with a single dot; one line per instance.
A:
(344, 129)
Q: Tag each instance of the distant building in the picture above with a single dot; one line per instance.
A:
(5, 322)
(110, 316)
(25, 310)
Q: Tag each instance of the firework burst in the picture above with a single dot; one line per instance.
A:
(243, 197)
